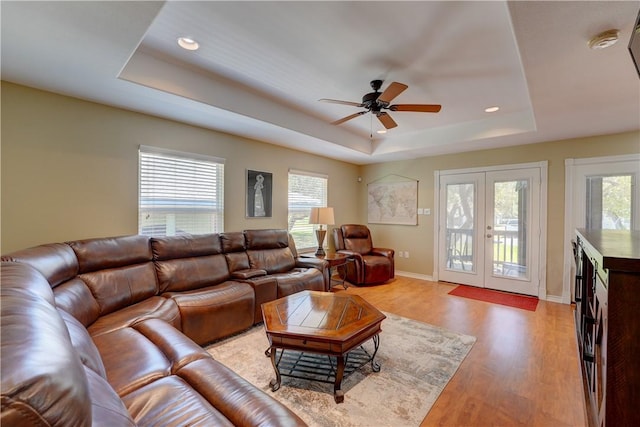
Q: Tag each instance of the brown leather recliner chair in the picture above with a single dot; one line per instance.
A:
(369, 265)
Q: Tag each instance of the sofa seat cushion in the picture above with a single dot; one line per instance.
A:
(206, 393)
(299, 279)
(240, 401)
(160, 350)
(173, 381)
(214, 312)
(154, 307)
(170, 401)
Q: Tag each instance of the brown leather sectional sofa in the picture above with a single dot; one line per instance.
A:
(108, 331)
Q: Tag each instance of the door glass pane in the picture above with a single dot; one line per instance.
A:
(460, 227)
(510, 228)
(609, 202)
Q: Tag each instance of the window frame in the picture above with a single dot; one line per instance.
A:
(194, 189)
(576, 171)
(307, 230)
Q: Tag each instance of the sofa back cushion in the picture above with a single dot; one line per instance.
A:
(269, 250)
(185, 246)
(118, 288)
(75, 297)
(111, 252)
(83, 344)
(107, 409)
(56, 261)
(189, 262)
(266, 239)
(234, 248)
(118, 271)
(357, 238)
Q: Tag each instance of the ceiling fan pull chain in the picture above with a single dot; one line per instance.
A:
(371, 126)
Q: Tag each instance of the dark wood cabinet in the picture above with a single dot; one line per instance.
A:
(607, 298)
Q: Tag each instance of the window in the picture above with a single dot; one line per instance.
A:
(602, 193)
(609, 202)
(306, 190)
(179, 193)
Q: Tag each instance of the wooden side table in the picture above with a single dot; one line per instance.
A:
(333, 259)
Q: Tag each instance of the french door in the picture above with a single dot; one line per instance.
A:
(489, 229)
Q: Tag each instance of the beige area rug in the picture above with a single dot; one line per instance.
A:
(417, 361)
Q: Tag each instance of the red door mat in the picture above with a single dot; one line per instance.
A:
(496, 297)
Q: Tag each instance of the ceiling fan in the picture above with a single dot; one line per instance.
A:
(375, 102)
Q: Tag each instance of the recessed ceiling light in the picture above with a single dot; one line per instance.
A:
(604, 39)
(491, 109)
(188, 43)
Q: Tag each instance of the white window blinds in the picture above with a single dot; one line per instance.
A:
(306, 190)
(179, 193)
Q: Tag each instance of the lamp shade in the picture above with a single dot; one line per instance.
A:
(321, 216)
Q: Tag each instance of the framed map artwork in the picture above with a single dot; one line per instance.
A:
(393, 203)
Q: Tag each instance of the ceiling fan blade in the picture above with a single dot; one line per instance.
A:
(352, 116)
(337, 101)
(386, 120)
(391, 92)
(420, 108)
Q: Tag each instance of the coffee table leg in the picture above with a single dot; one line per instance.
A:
(275, 383)
(375, 366)
(338, 394)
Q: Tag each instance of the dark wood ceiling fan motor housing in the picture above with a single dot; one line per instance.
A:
(369, 99)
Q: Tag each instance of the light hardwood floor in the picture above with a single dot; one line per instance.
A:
(522, 371)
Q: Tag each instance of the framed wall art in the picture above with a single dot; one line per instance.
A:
(393, 202)
(259, 194)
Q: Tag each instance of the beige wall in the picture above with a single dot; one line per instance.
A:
(70, 169)
(418, 240)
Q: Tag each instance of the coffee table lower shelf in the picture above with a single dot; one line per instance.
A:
(323, 368)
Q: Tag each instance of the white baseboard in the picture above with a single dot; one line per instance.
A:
(556, 299)
(414, 275)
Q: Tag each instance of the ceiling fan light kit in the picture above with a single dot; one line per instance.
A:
(376, 101)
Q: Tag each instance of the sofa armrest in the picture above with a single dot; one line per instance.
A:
(311, 262)
(248, 273)
(389, 253)
(317, 263)
(352, 254)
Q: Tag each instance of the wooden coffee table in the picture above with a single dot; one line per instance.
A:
(321, 323)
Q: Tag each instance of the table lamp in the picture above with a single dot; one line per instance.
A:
(321, 216)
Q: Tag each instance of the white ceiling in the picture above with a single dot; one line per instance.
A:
(262, 67)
